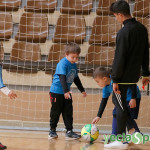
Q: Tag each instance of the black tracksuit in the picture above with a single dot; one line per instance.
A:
(131, 54)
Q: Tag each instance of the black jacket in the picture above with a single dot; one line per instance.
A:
(131, 54)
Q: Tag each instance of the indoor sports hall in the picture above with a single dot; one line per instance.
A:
(33, 36)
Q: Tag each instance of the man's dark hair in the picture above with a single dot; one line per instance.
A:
(120, 6)
(72, 48)
(101, 72)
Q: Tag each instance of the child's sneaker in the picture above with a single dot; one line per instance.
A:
(70, 135)
(2, 146)
(52, 134)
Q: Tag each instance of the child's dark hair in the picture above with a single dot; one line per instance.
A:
(72, 48)
(101, 72)
(120, 6)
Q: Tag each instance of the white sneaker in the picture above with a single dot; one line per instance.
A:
(117, 145)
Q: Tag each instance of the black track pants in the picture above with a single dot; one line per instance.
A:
(61, 105)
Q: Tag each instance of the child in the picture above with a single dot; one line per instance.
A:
(102, 77)
(60, 95)
(7, 92)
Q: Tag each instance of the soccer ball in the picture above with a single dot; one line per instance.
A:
(90, 132)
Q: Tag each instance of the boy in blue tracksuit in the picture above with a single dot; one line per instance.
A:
(60, 95)
(7, 92)
(102, 77)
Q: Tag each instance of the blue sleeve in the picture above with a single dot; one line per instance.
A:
(105, 93)
(1, 80)
(61, 68)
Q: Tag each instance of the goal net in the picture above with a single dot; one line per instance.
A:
(33, 37)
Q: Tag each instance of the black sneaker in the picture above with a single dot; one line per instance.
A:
(70, 135)
(52, 134)
(2, 146)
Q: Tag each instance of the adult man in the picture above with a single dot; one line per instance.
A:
(132, 53)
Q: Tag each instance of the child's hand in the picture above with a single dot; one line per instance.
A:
(95, 120)
(84, 94)
(132, 103)
(67, 95)
(12, 95)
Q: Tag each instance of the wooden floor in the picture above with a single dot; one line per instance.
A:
(35, 140)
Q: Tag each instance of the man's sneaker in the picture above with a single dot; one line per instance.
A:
(70, 135)
(52, 134)
(2, 146)
(116, 145)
